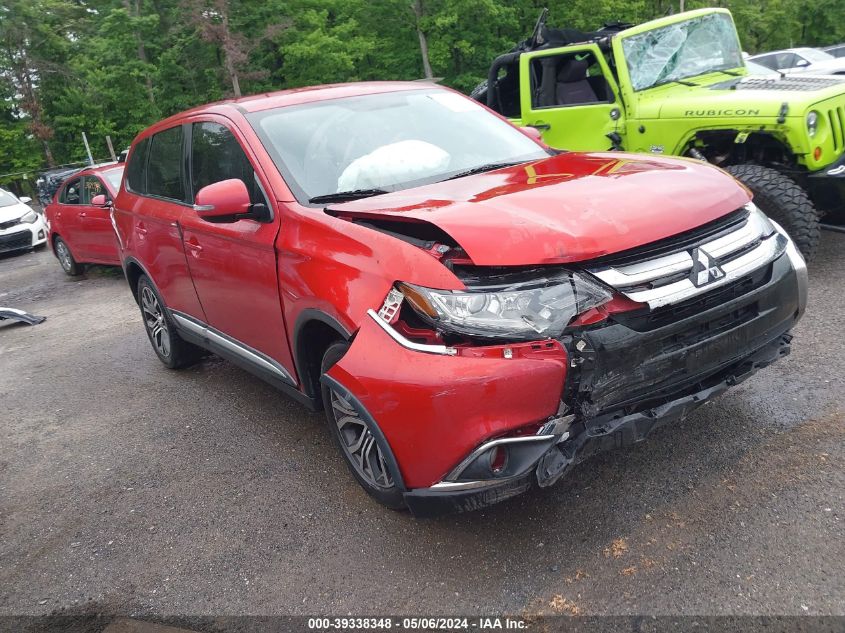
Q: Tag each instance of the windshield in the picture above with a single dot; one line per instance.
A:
(686, 49)
(811, 54)
(114, 176)
(7, 199)
(386, 141)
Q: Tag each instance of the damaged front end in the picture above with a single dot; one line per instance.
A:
(484, 392)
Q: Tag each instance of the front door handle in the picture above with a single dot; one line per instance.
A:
(540, 126)
(82, 214)
(194, 246)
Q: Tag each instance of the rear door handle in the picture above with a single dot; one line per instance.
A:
(82, 214)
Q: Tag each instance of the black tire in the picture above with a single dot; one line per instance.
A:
(170, 348)
(479, 93)
(66, 260)
(783, 200)
(376, 476)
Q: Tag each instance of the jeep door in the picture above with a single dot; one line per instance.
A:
(570, 95)
(233, 263)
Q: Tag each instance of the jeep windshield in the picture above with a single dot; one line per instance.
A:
(360, 146)
(685, 49)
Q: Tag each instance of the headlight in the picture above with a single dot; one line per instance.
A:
(518, 311)
(812, 123)
(761, 219)
(29, 217)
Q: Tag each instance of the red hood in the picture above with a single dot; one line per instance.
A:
(571, 207)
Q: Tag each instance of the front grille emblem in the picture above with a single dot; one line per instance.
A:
(705, 270)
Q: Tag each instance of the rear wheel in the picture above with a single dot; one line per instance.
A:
(66, 260)
(170, 348)
(362, 449)
(783, 200)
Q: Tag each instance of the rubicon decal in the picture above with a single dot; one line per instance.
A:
(726, 112)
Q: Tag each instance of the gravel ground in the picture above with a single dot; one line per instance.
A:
(128, 488)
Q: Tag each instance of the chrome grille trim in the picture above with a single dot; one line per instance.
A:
(654, 281)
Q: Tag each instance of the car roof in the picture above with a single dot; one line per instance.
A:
(293, 96)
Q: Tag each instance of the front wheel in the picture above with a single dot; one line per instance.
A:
(364, 452)
(783, 200)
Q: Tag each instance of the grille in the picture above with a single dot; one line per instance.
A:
(9, 224)
(647, 320)
(21, 239)
(836, 119)
(736, 250)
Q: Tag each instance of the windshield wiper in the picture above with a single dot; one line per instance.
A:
(343, 196)
(482, 168)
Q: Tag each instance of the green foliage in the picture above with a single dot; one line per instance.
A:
(112, 67)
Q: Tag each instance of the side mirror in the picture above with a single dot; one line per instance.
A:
(533, 132)
(228, 201)
(25, 199)
(100, 201)
(802, 64)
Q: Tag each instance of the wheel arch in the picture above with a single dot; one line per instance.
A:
(719, 146)
(313, 333)
(133, 270)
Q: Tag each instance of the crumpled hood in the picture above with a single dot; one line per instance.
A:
(13, 212)
(568, 208)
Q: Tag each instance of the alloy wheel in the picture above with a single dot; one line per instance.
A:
(63, 254)
(155, 321)
(360, 444)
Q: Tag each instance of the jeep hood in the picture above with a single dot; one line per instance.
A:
(753, 96)
(572, 207)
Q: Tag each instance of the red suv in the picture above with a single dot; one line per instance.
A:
(475, 312)
(79, 217)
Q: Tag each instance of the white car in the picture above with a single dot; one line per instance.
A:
(20, 226)
(803, 60)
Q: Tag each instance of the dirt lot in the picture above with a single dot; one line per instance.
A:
(128, 488)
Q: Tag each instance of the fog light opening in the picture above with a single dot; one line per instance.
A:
(498, 459)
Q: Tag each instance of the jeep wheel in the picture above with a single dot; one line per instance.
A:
(781, 198)
(362, 449)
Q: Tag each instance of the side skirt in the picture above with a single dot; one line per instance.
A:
(245, 357)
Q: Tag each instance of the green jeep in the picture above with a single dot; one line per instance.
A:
(678, 85)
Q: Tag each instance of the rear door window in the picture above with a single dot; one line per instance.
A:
(165, 176)
(72, 193)
(216, 155)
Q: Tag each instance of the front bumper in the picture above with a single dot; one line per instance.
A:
(607, 386)
(23, 236)
(586, 438)
(826, 187)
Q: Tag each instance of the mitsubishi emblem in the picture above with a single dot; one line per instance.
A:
(705, 270)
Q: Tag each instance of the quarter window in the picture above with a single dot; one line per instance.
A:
(135, 171)
(216, 155)
(164, 168)
(72, 193)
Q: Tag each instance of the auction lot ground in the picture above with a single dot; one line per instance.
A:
(128, 488)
